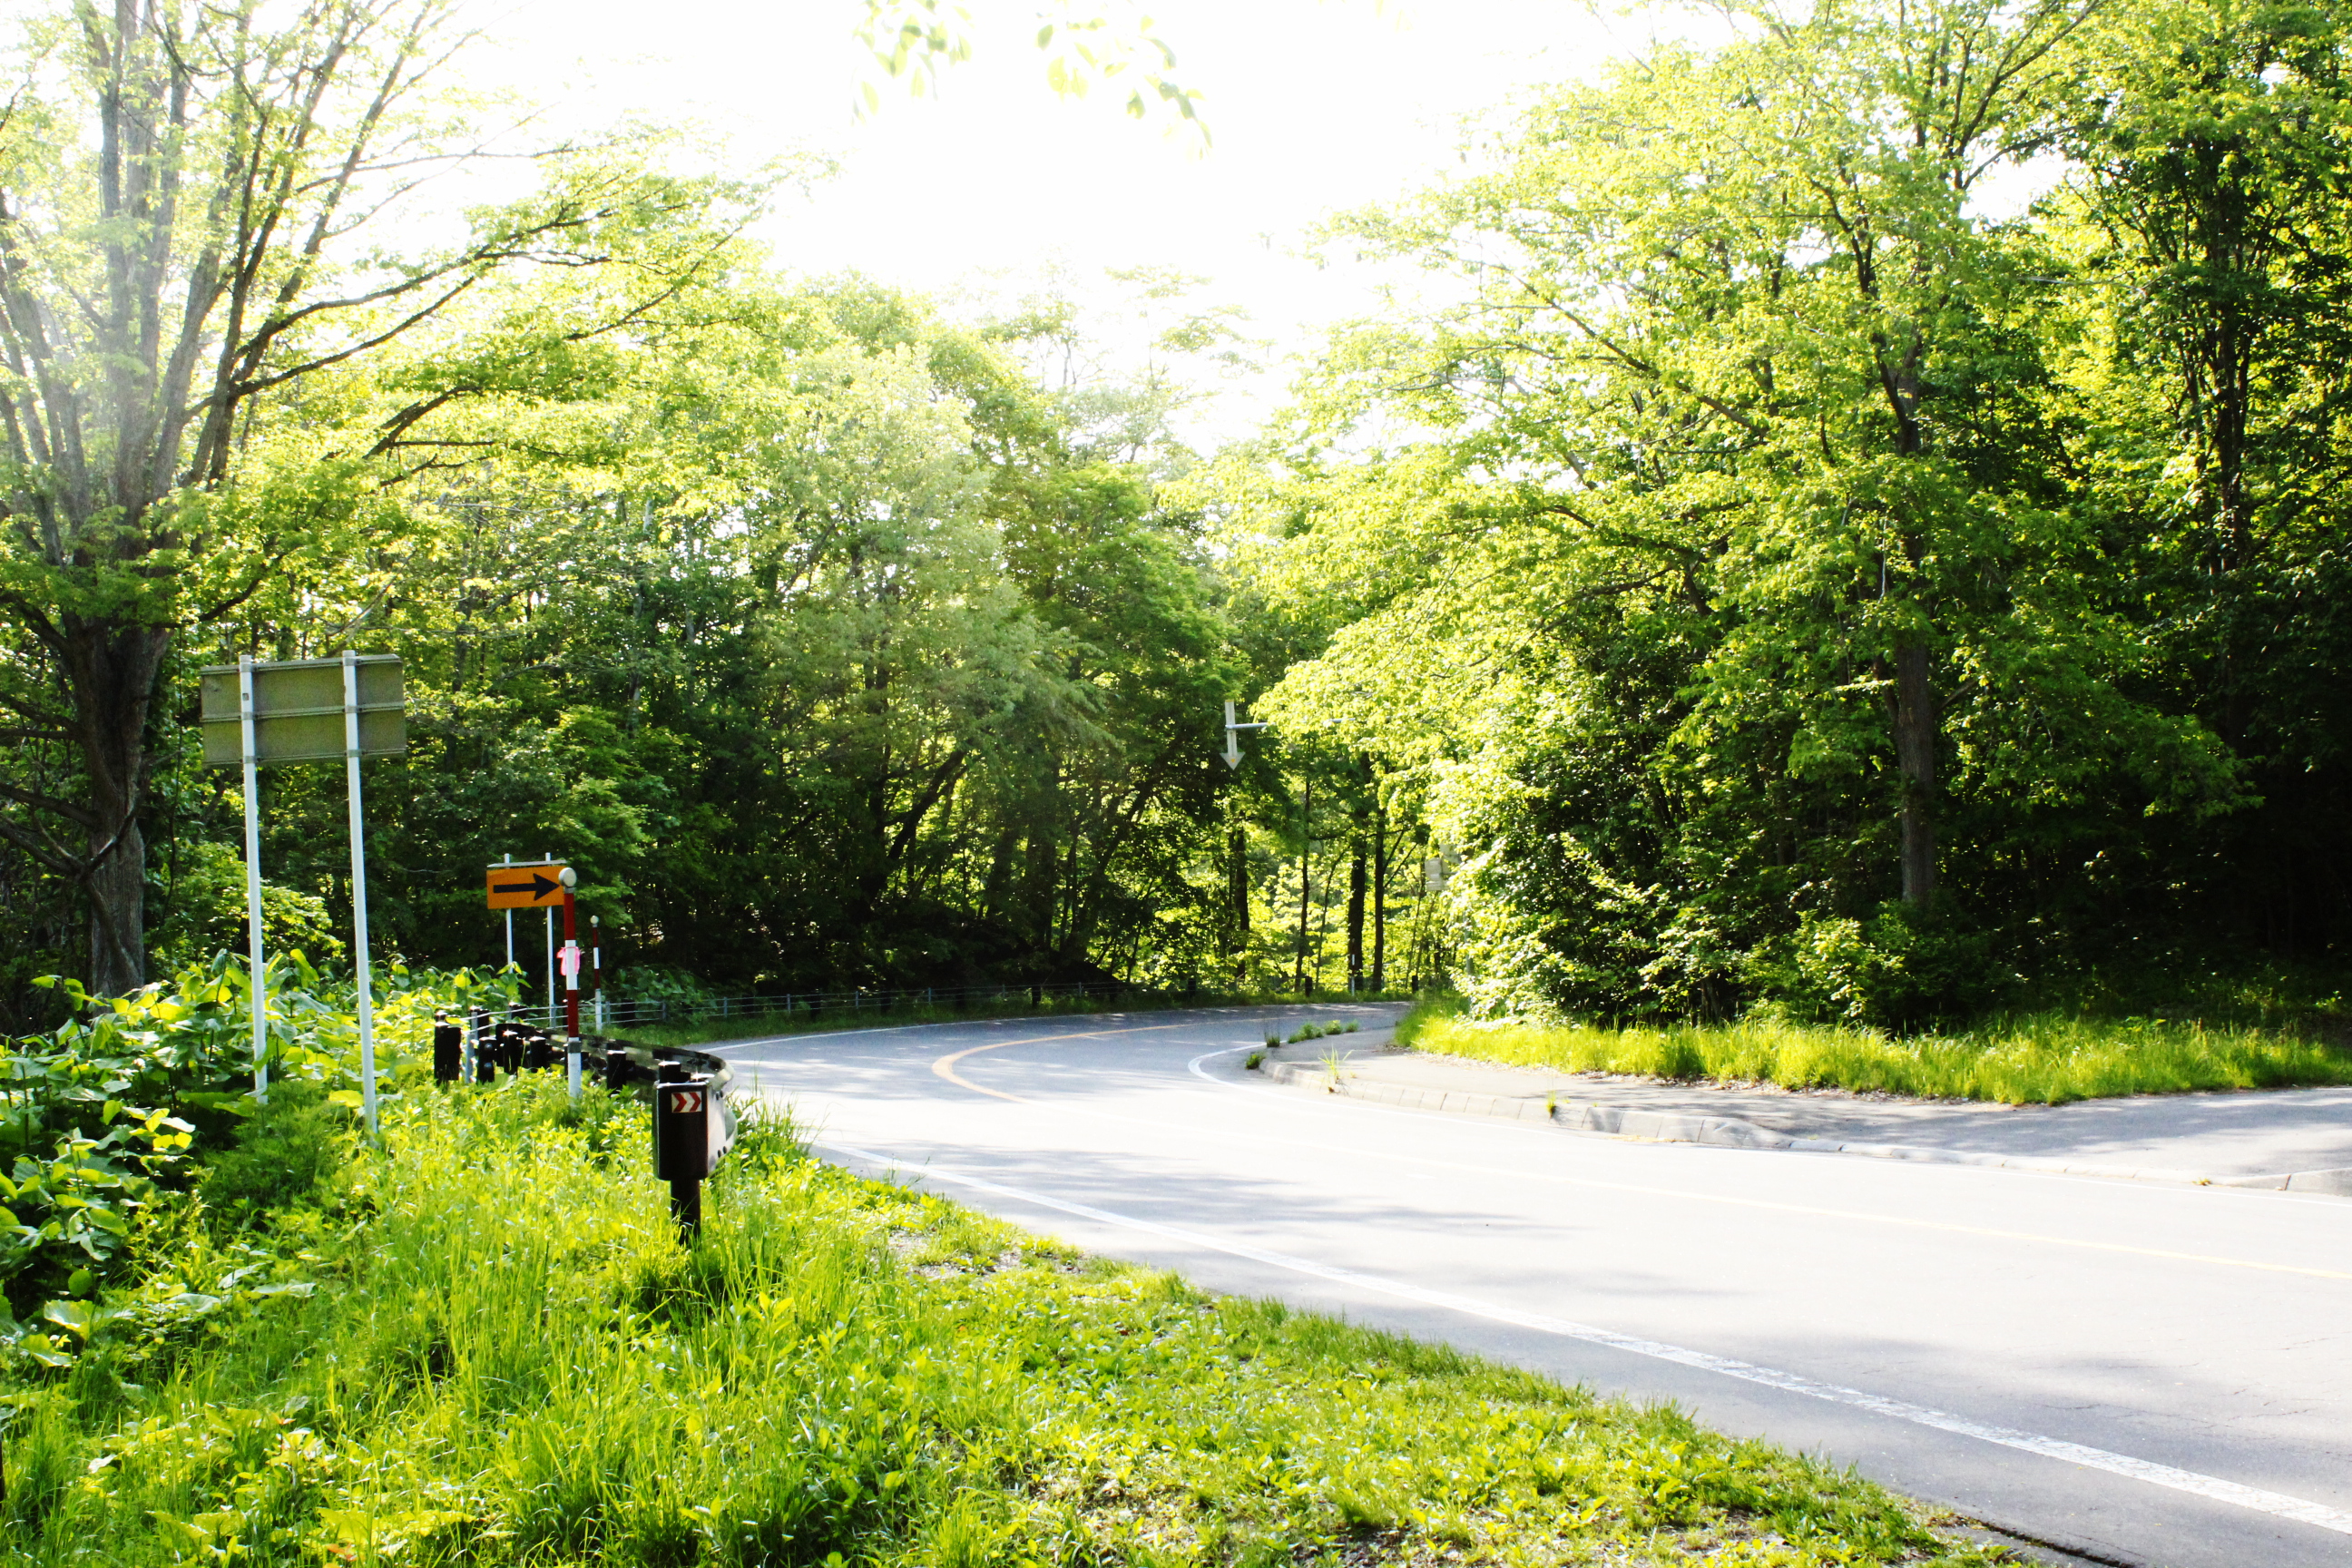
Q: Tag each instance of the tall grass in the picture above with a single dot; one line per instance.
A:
(508, 1359)
(2036, 1058)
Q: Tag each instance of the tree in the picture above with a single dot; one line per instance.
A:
(2215, 363)
(184, 192)
(1738, 578)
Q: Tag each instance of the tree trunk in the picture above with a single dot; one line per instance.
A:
(1915, 755)
(1380, 897)
(229, 151)
(111, 670)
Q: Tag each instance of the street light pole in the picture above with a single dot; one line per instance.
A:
(1239, 844)
(1233, 737)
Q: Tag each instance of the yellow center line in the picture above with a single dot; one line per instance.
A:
(945, 1068)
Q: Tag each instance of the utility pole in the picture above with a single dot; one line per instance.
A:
(1305, 872)
(1237, 847)
(1237, 884)
(1359, 825)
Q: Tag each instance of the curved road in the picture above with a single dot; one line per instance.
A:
(2141, 1374)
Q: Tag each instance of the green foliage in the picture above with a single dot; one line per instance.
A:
(517, 1362)
(822, 642)
(1903, 967)
(104, 1118)
(1791, 576)
(202, 913)
(285, 1153)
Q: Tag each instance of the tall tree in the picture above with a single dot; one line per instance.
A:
(185, 191)
(1732, 539)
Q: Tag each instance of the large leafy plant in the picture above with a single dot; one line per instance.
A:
(100, 1121)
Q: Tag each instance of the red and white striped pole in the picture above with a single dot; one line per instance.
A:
(571, 960)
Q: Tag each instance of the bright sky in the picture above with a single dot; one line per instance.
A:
(1312, 106)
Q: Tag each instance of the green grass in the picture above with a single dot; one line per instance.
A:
(2036, 1058)
(485, 1345)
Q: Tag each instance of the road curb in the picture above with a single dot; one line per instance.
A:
(1670, 1127)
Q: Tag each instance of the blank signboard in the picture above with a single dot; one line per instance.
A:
(298, 712)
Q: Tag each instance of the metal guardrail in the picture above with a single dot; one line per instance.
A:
(810, 1006)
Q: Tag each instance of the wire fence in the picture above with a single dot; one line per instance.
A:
(599, 1015)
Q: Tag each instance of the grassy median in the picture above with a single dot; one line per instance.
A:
(485, 1345)
(2043, 1058)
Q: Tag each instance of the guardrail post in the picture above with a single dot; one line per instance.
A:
(682, 1146)
(448, 1048)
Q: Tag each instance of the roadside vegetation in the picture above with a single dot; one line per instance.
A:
(746, 1026)
(482, 1343)
(2041, 1058)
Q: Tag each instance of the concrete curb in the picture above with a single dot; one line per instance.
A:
(1667, 1127)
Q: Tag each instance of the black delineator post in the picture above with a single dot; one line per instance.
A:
(617, 1068)
(486, 1049)
(682, 1146)
(448, 1049)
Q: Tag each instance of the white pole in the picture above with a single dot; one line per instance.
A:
(550, 958)
(256, 969)
(361, 983)
(509, 860)
(596, 952)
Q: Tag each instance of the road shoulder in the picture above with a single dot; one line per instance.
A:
(2285, 1140)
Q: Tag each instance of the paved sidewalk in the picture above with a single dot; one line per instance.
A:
(2228, 1138)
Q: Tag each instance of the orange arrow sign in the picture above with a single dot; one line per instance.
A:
(527, 886)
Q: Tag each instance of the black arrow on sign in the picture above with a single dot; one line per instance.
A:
(539, 887)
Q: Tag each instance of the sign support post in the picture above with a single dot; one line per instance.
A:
(544, 886)
(305, 710)
(596, 966)
(361, 981)
(550, 958)
(570, 984)
(254, 967)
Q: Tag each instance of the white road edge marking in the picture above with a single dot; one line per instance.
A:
(2209, 1487)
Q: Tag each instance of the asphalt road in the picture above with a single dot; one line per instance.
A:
(2142, 1373)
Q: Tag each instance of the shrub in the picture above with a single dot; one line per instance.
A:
(285, 1155)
